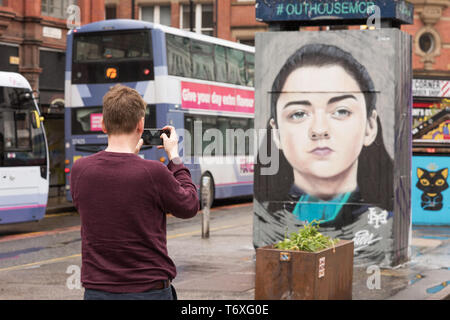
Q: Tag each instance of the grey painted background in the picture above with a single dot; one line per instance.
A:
(386, 54)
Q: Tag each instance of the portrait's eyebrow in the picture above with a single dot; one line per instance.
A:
(343, 97)
(302, 102)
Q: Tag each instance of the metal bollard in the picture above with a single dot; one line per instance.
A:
(206, 196)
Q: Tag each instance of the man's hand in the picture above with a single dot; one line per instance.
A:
(170, 144)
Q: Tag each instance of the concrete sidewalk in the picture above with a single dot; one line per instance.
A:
(223, 266)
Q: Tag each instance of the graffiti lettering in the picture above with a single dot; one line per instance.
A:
(363, 239)
(314, 9)
(377, 219)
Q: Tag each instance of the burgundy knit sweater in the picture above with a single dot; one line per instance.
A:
(122, 200)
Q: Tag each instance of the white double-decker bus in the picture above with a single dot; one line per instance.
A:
(24, 166)
(201, 85)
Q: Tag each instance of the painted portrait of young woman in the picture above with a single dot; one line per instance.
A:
(333, 164)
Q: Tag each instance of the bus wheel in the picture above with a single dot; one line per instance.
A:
(203, 180)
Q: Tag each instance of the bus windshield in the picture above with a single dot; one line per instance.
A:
(104, 46)
(112, 56)
(20, 143)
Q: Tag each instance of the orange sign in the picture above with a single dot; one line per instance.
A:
(111, 73)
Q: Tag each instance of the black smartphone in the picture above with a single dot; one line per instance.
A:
(151, 137)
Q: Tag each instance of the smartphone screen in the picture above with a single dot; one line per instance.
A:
(151, 137)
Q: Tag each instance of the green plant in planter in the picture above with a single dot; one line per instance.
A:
(307, 238)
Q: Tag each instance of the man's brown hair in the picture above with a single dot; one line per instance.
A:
(123, 108)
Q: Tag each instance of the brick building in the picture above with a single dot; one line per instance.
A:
(431, 58)
(227, 19)
(33, 42)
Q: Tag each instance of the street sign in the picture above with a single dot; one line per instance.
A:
(431, 88)
(314, 11)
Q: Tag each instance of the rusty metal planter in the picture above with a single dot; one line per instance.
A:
(300, 275)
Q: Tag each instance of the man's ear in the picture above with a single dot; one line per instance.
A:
(104, 127)
(275, 134)
(371, 129)
(140, 126)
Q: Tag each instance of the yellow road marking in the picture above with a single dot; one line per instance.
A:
(39, 234)
(55, 215)
(41, 262)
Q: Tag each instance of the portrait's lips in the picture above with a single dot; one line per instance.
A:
(321, 152)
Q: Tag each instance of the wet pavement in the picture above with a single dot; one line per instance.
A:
(42, 264)
(223, 267)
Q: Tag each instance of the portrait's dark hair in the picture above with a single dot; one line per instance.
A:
(321, 55)
(376, 187)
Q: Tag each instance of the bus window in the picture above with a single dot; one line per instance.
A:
(111, 46)
(250, 69)
(221, 64)
(129, 54)
(236, 66)
(20, 144)
(150, 116)
(178, 56)
(202, 60)
(23, 130)
(88, 120)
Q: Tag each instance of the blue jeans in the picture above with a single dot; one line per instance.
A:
(163, 294)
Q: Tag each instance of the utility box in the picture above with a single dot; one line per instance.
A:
(335, 107)
(300, 275)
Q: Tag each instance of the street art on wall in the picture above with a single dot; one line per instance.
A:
(337, 148)
(430, 192)
(432, 183)
(442, 132)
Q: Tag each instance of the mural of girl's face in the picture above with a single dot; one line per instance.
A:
(322, 122)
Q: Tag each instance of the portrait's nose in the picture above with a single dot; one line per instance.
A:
(319, 127)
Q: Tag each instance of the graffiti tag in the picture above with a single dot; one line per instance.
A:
(363, 239)
(377, 218)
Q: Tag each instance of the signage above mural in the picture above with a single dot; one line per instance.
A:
(354, 12)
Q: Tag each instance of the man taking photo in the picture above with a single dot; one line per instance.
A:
(123, 200)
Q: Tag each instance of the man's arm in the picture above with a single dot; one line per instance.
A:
(181, 197)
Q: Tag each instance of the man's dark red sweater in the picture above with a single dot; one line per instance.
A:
(122, 200)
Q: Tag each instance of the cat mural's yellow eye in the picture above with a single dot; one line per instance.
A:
(440, 182)
(425, 182)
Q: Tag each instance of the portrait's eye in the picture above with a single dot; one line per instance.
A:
(425, 182)
(341, 113)
(440, 182)
(298, 115)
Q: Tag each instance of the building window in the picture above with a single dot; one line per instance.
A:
(248, 42)
(56, 8)
(110, 12)
(7, 52)
(427, 42)
(203, 15)
(156, 14)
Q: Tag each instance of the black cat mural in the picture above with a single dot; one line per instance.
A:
(432, 183)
